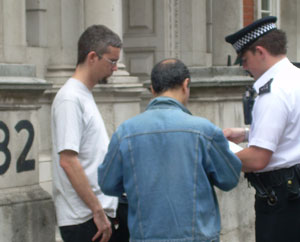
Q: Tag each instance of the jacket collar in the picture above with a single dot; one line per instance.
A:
(166, 102)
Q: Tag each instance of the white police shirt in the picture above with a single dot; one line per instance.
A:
(276, 115)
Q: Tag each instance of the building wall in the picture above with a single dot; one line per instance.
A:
(41, 36)
(248, 10)
(290, 23)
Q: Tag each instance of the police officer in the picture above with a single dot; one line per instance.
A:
(271, 160)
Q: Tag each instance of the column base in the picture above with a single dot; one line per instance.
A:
(26, 214)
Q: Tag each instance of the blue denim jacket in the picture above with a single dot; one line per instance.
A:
(167, 161)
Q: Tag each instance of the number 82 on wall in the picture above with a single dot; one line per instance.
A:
(23, 164)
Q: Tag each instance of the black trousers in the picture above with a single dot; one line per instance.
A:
(121, 234)
(85, 232)
(279, 222)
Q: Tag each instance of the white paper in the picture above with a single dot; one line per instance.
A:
(234, 147)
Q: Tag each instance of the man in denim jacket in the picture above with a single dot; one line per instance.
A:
(167, 162)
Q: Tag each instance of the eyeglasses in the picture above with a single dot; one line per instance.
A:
(114, 63)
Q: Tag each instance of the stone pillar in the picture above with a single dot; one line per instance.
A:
(26, 210)
(35, 23)
(64, 25)
(119, 99)
(12, 31)
(192, 32)
(291, 25)
(227, 17)
(108, 13)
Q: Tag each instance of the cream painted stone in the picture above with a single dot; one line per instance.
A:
(45, 171)
(164, 29)
(37, 56)
(45, 141)
(19, 127)
(13, 41)
(36, 28)
(124, 111)
(26, 214)
(140, 17)
(104, 12)
(192, 25)
(65, 24)
(143, 38)
(19, 168)
(17, 70)
(140, 63)
(237, 213)
(1, 32)
(227, 18)
(26, 211)
(118, 102)
(47, 185)
(291, 26)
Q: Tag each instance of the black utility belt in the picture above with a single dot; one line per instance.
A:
(277, 177)
(265, 182)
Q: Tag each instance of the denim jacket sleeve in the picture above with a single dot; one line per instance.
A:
(223, 166)
(110, 177)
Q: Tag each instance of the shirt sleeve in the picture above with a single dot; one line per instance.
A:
(270, 115)
(222, 166)
(68, 126)
(110, 177)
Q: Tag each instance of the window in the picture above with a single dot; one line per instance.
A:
(265, 8)
(268, 8)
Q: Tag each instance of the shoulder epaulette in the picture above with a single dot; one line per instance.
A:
(265, 88)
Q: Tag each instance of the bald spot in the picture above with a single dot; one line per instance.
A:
(168, 61)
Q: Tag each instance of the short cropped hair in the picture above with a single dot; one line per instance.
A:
(96, 38)
(275, 42)
(168, 74)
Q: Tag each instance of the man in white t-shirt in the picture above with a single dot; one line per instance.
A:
(272, 159)
(80, 141)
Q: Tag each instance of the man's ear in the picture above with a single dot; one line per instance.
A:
(261, 50)
(92, 57)
(152, 91)
(186, 84)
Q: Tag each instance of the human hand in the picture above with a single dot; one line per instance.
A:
(236, 135)
(103, 225)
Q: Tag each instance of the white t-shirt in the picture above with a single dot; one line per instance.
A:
(77, 125)
(276, 115)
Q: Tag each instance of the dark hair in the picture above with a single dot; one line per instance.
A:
(275, 42)
(168, 74)
(96, 38)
